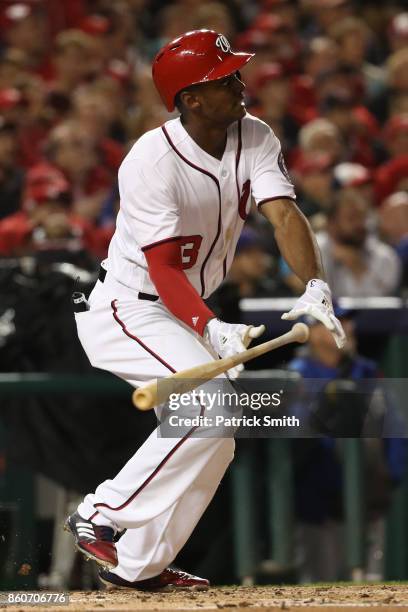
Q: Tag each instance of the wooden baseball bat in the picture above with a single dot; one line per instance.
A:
(157, 392)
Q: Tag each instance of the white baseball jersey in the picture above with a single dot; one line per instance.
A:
(171, 188)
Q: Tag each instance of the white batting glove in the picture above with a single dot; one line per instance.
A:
(317, 302)
(228, 339)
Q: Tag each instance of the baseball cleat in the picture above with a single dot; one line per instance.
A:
(169, 580)
(93, 541)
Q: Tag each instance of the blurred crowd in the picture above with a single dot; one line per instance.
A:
(329, 76)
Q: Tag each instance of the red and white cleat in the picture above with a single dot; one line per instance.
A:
(169, 580)
(93, 541)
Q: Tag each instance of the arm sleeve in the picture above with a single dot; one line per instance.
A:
(177, 294)
(270, 178)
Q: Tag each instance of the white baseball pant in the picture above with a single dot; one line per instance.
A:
(162, 491)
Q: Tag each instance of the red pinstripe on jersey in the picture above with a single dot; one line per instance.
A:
(246, 189)
(213, 178)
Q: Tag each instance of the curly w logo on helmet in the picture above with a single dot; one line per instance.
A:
(223, 44)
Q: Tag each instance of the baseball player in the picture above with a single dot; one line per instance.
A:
(185, 193)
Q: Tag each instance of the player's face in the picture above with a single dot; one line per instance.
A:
(222, 101)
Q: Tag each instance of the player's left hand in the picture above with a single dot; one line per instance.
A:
(228, 339)
(317, 302)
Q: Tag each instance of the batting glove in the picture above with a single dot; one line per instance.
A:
(229, 339)
(317, 302)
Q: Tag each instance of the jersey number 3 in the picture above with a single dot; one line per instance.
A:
(190, 246)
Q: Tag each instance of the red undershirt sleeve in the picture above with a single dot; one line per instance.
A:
(175, 290)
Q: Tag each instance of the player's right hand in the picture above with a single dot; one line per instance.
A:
(228, 339)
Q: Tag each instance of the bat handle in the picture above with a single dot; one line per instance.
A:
(145, 397)
(300, 332)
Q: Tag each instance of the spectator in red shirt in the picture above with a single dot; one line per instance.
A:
(280, 40)
(340, 109)
(96, 113)
(320, 56)
(25, 108)
(74, 152)
(114, 29)
(46, 221)
(391, 176)
(396, 136)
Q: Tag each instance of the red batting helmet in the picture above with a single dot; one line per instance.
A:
(195, 57)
